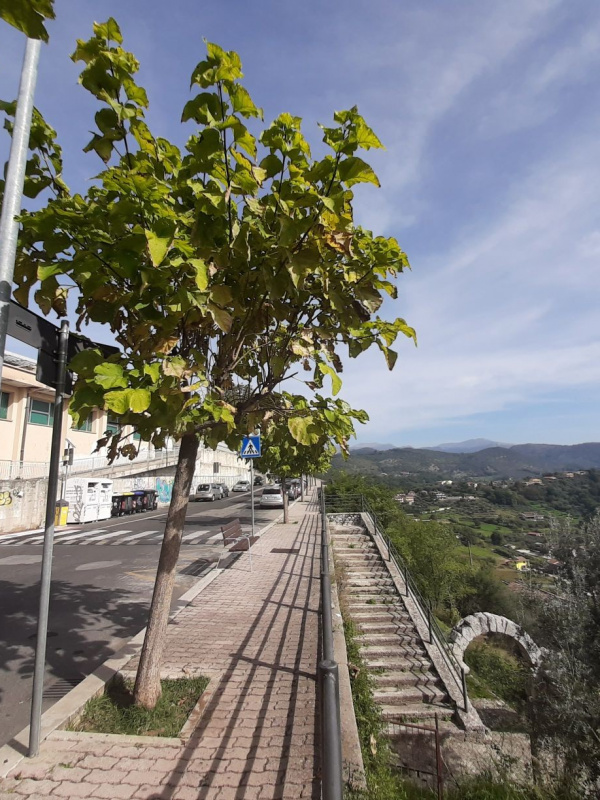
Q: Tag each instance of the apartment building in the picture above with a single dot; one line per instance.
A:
(27, 414)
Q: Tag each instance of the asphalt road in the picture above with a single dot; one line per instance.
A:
(103, 574)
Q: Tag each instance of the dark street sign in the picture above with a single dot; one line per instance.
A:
(37, 332)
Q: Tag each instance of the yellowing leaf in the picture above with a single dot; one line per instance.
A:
(117, 401)
(201, 273)
(222, 318)
(139, 400)
(336, 381)
(110, 376)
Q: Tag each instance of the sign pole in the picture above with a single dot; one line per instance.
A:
(252, 491)
(13, 190)
(53, 474)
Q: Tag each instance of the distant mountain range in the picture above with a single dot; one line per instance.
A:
(469, 446)
(516, 461)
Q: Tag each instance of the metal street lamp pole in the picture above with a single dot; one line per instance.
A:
(13, 190)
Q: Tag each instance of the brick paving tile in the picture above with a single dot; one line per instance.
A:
(258, 632)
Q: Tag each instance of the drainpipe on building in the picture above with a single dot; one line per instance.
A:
(24, 434)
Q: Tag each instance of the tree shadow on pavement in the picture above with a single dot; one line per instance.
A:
(84, 622)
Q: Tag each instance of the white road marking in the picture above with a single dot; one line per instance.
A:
(189, 537)
(128, 539)
(105, 536)
(4, 537)
(81, 536)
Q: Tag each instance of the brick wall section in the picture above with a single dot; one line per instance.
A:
(257, 738)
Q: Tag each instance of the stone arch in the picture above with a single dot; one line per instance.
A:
(481, 623)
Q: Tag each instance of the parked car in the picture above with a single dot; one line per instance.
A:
(271, 497)
(241, 486)
(258, 480)
(224, 489)
(207, 491)
(293, 491)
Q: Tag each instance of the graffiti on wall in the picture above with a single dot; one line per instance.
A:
(164, 488)
(5, 499)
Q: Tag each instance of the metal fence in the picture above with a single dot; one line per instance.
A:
(329, 683)
(24, 470)
(358, 504)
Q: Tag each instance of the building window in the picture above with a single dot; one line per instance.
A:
(41, 413)
(113, 425)
(85, 425)
(4, 405)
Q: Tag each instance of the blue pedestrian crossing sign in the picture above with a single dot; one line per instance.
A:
(250, 447)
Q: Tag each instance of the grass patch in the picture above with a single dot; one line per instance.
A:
(114, 711)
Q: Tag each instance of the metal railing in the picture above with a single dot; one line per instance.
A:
(332, 786)
(24, 470)
(358, 504)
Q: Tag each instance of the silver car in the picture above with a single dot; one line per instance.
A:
(208, 491)
(272, 497)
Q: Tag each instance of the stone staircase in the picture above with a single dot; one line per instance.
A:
(406, 685)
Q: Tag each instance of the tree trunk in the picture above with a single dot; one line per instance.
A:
(147, 684)
(286, 501)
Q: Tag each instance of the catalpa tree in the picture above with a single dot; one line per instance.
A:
(222, 271)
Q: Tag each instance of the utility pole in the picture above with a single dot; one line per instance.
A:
(13, 190)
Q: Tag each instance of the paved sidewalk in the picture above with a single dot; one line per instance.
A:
(257, 738)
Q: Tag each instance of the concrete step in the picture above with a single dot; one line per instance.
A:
(385, 587)
(385, 626)
(389, 639)
(397, 663)
(399, 678)
(406, 695)
(396, 730)
(416, 711)
(409, 650)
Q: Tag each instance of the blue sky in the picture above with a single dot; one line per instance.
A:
(490, 114)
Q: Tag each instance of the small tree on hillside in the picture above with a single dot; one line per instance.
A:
(222, 271)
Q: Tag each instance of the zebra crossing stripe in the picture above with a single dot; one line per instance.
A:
(104, 537)
(81, 536)
(129, 539)
(192, 537)
(4, 538)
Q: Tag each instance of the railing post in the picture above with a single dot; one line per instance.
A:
(406, 579)
(439, 768)
(464, 689)
(331, 761)
(429, 624)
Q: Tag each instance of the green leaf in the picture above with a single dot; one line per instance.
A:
(222, 318)
(110, 376)
(336, 381)
(299, 428)
(118, 401)
(354, 170)
(139, 400)
(201, 276)
(365, 136)
(109, 30)
(160, 240)
(242, 102)
(221, 295)
(153, 371)
(28, 16)
(49, 271)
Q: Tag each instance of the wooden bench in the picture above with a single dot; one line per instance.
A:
(235, 540)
